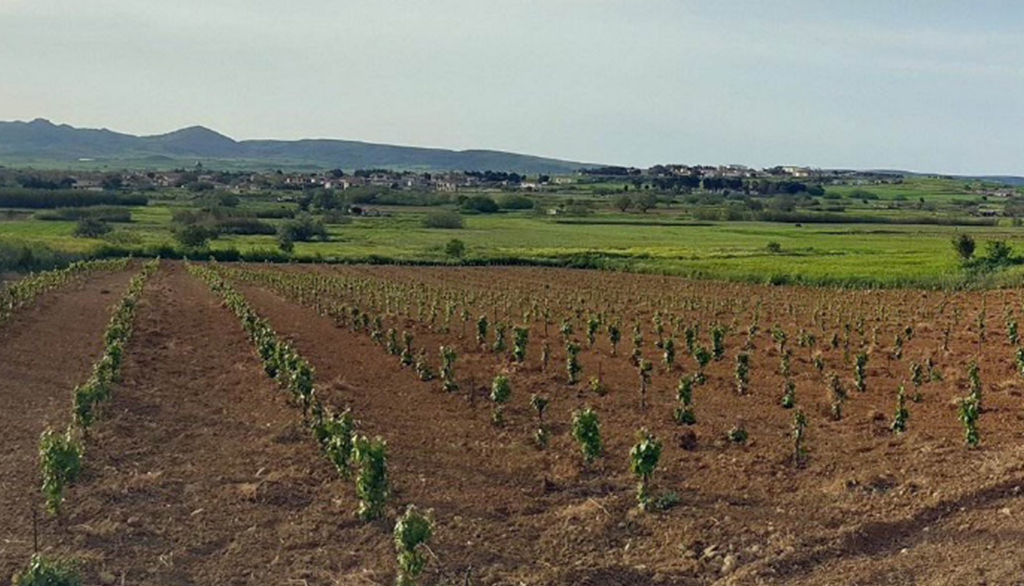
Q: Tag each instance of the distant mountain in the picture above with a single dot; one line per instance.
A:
(44, 143)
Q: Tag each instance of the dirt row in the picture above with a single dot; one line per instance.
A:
(200, 473)
(45, 350)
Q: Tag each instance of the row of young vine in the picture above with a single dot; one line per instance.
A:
(354, 455)
(845, 333)
(22, 292)
(61, 452)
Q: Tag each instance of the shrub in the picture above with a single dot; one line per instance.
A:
(520, 337)
(540, 404)
(337, 443)
(455, 248)
(684, 394)
(614, 336)
(303, 229)
(572, 364)
(60, 459)
(515, 202)
(837, 395)
(194, 235)
(738, 434)
(448, 357)
(46, 572)
(703, 357)
(799, 430)
(244, 226)
(586, 430)
(372, 479)
(788, 395)
(336, 218)
(899, 420)
(968, 411)
(964, 246)
(644, 370)
(643, 459)
(480, 204)
(742, 373)
(443, 219)
(593, 323)
(997, 252)
(859, 372)
(500, 393)
(412, 532)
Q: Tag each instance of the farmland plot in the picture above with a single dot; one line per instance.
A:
(204, 471)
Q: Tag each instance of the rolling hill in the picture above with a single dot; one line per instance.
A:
(40, 142)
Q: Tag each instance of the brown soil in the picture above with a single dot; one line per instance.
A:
(200, 473)
(45, 350)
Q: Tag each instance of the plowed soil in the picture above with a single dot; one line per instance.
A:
(45, 350)
(199, 472)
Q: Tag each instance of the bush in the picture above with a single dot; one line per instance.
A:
(38, 199)
(105, 213)
(336, 218)
(455, 248)
(44, 572)
(370, 457)
(243, 225)
(194, 235)
(91, 228)
(587, 433)
(412, 532)
(60, 460)
(997, 252)
(275, 213)
(302, 229)
(443, 219)
(480, 204)
(643, 459)
(964, 246)
(515, 202)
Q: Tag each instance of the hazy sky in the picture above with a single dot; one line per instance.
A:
(930, 85)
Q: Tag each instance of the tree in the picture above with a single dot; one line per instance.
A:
(623, 202)
(91, 228)
(964, 246)
(997, 252)
(303, 229)
(455, 248)
(194, 235)
(285, 242)
(645, 202)
(480, 204)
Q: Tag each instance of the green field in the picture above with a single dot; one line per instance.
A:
(668, 239)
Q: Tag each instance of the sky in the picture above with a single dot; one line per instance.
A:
(924, 85)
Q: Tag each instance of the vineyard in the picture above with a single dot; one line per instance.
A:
(205, 423)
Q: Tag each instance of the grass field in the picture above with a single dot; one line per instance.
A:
(669, 239)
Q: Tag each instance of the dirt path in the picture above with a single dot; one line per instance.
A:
(45, 350)
(199, 473)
